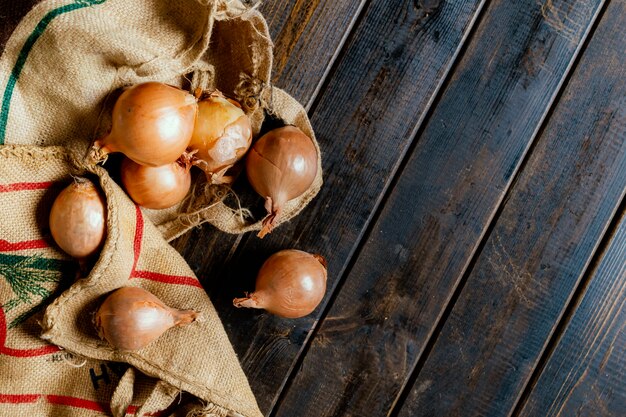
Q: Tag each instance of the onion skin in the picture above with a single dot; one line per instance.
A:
(221, 136)
(152, 124)
(78, 219)
(281, 166)
(155, 187)
(291, 284)
(130, 318)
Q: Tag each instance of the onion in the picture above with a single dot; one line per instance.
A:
(130, 318)
(152, 124)
(77, 219)
(156, 187)
(281, 166)
(221, 136)
(291, 283)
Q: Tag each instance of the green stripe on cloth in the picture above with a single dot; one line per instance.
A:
(44, 264)
(23, 55)
(34, 310)
(30, 278)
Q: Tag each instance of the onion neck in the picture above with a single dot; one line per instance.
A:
(218, 177)
(270, 220)
(182, 317)
(187, 159)
(100, 150)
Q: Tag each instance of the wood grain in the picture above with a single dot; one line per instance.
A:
(307, 35)
(540, 247)
(430, 226)
(365, 120)
(585, 374)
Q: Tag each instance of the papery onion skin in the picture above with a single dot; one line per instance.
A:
(130, 318)
(221, 136)
(155, 187)
(78, 219)
(281, 166)
(152, 124)
(290, 284)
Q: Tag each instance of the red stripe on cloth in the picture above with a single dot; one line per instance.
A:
(154, 276)
(138, 237)
(168, 279)
(23, 186)
(68, 401)
(6, 246)
(132, 409)
(25, 353)
(78, 403)
(19, 398)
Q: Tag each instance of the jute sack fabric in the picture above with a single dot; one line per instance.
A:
(197, 358)
(37, 378)
(66, 62)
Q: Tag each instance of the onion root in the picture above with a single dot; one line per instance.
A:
(249, 301)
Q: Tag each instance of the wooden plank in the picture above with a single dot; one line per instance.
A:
(365, 120)
(585, 374)
(307, 35)
(540, 247)
(419, 248)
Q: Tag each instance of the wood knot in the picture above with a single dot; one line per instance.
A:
(425, 8)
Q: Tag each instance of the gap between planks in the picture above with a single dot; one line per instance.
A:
(541, 125)
(340, 51)
(573, 302)
(383, 196)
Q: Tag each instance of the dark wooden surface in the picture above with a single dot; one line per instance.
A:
(440, 206)
(535, 254)
(472, 212)
(580, 375)
(363, 144)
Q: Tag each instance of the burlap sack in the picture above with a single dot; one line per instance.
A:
(35, 379)
(65, 62)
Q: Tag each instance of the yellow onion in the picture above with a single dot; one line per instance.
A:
(221, 136)
(281, 166)
(78, 219)
(152, 124)
(291, 283)
(130, 318)
(156, 187)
